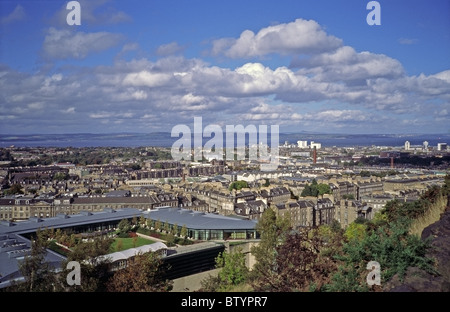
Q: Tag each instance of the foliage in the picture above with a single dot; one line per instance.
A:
(273, 230)
(14, 189)
(183, 231)
(390, 245)
(124, 227)
(144, 273)
(233, 272)
(355, 231)
(39, 275)
(237, 185)
(94, 267)
(315, 189)
(300, 265)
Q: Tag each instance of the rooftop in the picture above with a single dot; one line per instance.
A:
(198, 220)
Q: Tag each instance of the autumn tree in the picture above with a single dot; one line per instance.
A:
(144, 273)
(299, 264)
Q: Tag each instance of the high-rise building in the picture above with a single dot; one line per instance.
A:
(441, 146)
(316, 145)
(302, 144)
(407, 146)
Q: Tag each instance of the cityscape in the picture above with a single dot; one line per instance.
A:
(198, 148)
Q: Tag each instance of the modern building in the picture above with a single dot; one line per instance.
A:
(315, 144)
(442, 146)
(407, 145)
(202, 225)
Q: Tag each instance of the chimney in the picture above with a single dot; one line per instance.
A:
(314, 155)
(392, 162)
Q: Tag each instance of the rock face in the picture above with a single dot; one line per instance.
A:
(417, 280)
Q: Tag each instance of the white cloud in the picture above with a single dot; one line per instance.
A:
(66, 44)
(298, 37)
(169, 49)
(146, 78)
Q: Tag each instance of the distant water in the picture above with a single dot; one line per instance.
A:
(163, 139)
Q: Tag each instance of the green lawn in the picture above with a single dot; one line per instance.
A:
(127, 243)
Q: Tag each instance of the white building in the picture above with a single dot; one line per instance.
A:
(442, 146)
(407, 146)
(302, 144)
(316, 145)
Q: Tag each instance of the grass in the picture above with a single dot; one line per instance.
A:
(128, 243)
(429, 217)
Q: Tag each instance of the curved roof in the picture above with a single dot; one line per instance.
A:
(128, 253)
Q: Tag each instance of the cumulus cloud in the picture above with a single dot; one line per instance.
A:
(298, 37)
(66, 44)
(334, 87)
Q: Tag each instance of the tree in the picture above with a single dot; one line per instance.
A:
(323, 189)
(233, 272)
(166, 226)
(272, 229)
(15, 189)
(391, 246)
(144, 273)
(124, 226)
(142, 221)
(94, 266)
(184, 231)
(158, 225)
(39, 275)
(237, 185)
(355, 231)
(300, 265)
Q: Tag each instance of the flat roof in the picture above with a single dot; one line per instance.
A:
(61, 221)
(198, 220)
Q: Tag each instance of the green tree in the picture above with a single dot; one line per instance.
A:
(355, 231)
(39, 275)
(158, 225)
(272, 229)
(166, 226)
(234, 270)
(142, 221)
(237, 185)
(94, 266)
(323, 189)
(391, 245)
(124, 226)
(184, 231)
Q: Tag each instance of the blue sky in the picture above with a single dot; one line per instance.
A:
(144, 66)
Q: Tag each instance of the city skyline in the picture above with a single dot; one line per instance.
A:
(147, 66)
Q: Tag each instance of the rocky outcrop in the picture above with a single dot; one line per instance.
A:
(417, 280)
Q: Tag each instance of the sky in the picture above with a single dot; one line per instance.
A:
(147, 66)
